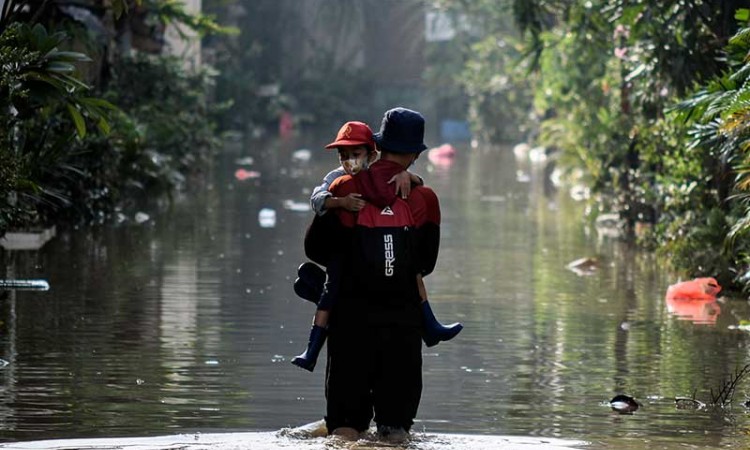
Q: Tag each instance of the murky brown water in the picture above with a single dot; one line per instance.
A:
(188, 322)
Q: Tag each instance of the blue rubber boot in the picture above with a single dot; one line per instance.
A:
(309, 282)
(433, 331)
(308, 359)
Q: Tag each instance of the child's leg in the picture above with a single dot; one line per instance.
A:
(433, 331)
(321, 318)
(319, 331)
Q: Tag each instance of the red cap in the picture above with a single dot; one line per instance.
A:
(354, 133)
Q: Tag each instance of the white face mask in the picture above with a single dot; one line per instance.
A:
(353, 166)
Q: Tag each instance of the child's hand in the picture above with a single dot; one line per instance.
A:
(353, 202)
(403, 183)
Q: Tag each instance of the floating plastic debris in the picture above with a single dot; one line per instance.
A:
(246, 161)
(267, 218)
(694, 300)
(291, 205)
(579, 192)
(695, 289)
(141, 217)
(302, 155)
(522, 177)
(37, 285)
(242, 174)
(583, 266)
(743, 326)
(688, 403)
(521, 150)
(538, 154)
(609, 225)
(624, 404)
(442, 156)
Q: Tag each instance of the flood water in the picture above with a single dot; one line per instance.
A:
(187, 322)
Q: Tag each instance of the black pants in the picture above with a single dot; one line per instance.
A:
(373, 370)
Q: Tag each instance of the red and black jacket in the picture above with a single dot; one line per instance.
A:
(339, 236)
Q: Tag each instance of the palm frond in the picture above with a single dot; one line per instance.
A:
(739, 229)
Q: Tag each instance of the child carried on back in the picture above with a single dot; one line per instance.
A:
(356, 149)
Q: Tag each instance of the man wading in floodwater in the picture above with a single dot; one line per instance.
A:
(375, 344)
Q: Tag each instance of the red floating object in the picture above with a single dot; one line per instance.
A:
(242, 174)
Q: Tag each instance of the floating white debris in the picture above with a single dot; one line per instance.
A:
(302, 155)
(291, 205)
(609, 225)
(38, 285)
(583, 266)
(267, 218)
(538, 154)
(246, 161)
(579, 193)
(141, 217)
(521, 150)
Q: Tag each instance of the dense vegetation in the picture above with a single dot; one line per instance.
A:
(649, 99)
(90, 125)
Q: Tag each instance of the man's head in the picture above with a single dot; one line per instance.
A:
(401, 136)
(355, 145)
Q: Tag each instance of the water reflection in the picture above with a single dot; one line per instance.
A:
(188, 321)
(697, 311)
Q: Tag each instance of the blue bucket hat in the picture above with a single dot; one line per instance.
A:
(402, 131)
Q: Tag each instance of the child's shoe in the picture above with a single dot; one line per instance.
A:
(308, 359)
(433, 331)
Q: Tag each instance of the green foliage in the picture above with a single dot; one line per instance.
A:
(42, 102)
(605, 75)
(53, 170)
(174, 12)
(609, 70)
(693, 243)
(499, 97)
(163, 136)
(67, 154)
(719, 116)
(481, 64)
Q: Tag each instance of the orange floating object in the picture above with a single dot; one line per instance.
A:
(696, 289)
